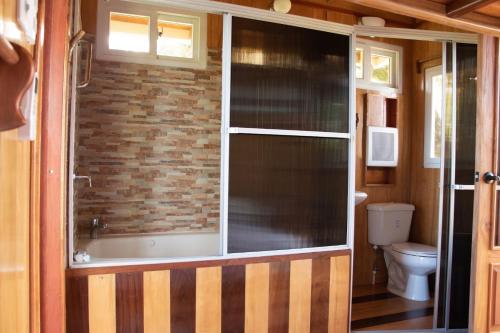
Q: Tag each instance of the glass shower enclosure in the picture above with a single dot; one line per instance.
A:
(457, 186)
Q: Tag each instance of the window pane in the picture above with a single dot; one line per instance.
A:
(285, 77)
(128, 32)
(436, 104)
(381, 68)
(359, 63)
(286, 192)
(175, 39)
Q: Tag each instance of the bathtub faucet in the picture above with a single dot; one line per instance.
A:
(95, 225)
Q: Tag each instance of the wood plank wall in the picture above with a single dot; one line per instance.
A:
(19, 204)
(424, 181)
(399, 190)
(296, 294)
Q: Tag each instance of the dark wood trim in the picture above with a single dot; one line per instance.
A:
(459, 8)
(233, 299)
(279, 296)
(129, 302)
(320, 295)
(52, 249)
(208, 263)
(183, 300)
(77, 300)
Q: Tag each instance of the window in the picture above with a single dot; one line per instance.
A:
(128, 32)
(378, 66)
(433, 108)
(145, 34)
(359, 63)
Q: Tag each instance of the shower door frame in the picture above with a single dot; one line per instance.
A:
(228, 11)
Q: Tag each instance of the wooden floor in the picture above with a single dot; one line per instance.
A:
(374, 308)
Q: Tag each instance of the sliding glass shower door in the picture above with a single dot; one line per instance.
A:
(458, 178)
(289, 138)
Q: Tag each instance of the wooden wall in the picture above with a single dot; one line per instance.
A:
(14, 233)
(346, 14)
(364, 255)
(296, 294)
(424, 181)
(19, 287)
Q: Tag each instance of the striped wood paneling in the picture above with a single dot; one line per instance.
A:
(300, 296)
(208, 300)
(102, 303)
(284, 295)
(157, 301)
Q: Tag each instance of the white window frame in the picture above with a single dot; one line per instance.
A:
(430, 162)
(393, 51)
(197, 19)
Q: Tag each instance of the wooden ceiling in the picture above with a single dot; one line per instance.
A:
(457, 8)
(482, 16)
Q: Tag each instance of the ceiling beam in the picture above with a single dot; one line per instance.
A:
(436, 12)
(459, 8)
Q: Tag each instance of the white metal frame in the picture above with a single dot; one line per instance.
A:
(197, 18)
(430, 162)
(227, 131)
(229, 11)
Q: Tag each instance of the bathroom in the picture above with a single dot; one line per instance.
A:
(405, 216)
(172, 159)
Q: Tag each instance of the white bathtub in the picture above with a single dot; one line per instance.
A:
(144, 247)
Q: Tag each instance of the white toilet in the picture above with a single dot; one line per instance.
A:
(408, 264)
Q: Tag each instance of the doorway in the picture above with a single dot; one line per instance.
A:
(446, 222)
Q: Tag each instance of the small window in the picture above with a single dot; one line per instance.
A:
(147, 34)
(378, 66)
(433, 112)
(175, 39)
(128, 32)
(359, 63)
(382, 67)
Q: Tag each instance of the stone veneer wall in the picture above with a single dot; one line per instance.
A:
(150, 138)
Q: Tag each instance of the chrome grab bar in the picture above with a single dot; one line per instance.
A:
(88, 67)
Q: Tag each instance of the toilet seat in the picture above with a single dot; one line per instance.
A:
(415, 249)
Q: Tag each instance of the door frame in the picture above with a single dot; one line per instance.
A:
(52, 173)
(485, 257)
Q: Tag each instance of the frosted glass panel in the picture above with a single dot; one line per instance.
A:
(286, 192)
(285, 77)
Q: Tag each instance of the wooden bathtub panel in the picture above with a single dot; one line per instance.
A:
(320, 290)
(256, 298)
(183, 300)
(208, 300)
(279, 296)
(129, 303)
(157, 302)
(233, 299)
(77, 298)
(308, 292)
(300, 296)
(338, 321)
(102, 303)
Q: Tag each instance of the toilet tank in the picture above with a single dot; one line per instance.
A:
(389, 223)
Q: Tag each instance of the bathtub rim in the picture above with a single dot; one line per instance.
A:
(151, 263)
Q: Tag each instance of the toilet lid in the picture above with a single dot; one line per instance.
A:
(415, 249)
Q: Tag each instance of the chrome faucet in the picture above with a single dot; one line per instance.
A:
(96, 225)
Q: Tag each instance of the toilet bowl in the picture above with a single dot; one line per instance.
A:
(408, 266)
